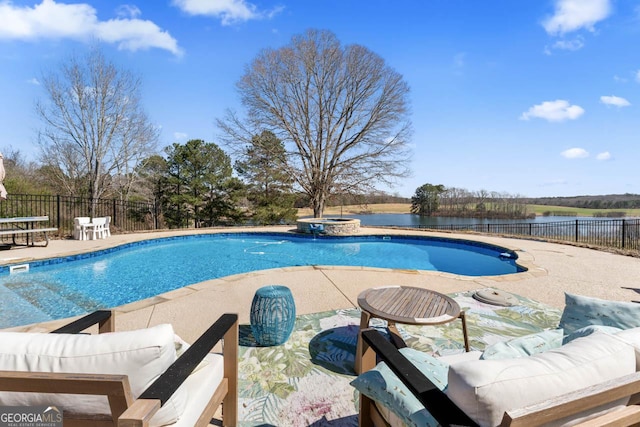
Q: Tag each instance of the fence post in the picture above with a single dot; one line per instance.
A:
(113, 217)
(624, 231)
(155, 214)
(530, 229)
(58, 212)
(577, 231)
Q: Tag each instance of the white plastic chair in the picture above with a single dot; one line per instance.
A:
(79, 229)
(95, 229)
(107, 230)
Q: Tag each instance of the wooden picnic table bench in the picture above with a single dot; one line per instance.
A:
(26, 226)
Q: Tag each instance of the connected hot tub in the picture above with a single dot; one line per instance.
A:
(329, 226)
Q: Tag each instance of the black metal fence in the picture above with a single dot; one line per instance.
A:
(141, 216)
(125, 216)
(611, 233)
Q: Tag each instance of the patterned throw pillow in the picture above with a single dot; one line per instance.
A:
(581, 311)
(524, 346)
(383, 386)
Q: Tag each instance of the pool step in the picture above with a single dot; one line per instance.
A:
(15, 310)
(47, 299)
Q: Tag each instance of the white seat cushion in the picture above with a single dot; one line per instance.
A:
(485, 389)
(200, 386)
(631, 337)
(142, 355)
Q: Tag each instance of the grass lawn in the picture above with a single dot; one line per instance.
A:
(540, 209)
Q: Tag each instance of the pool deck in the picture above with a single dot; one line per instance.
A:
(552, 270)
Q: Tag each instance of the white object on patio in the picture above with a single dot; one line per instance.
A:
(107, 230)
(3, 191)
(79, 229)
(96, 228)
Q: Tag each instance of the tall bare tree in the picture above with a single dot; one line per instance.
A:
(340, 110)
(95, 128)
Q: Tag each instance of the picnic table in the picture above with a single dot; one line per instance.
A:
(28, 226)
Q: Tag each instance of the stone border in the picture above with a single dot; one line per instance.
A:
(328, 226)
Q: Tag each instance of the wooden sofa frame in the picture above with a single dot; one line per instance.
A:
(447, 413)
(129, 412)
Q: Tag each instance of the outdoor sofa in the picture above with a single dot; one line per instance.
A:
(586, 371)
(146, 377)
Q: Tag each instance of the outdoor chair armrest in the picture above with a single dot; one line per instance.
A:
(435, 401)
(103, 318)
(139, 413)
(115, 387)
(162, 388)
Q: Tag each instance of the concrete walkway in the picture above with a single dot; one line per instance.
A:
(552, 270)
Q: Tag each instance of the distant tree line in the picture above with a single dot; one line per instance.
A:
(438, 200)
(609, 201)
(372, 198)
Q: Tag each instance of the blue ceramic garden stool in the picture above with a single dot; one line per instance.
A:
(273, 315)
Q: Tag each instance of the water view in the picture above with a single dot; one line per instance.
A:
(411, 220)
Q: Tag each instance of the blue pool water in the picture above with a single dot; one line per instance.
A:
(76, 285)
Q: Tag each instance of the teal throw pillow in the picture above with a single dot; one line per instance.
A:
(581, 311)
(383, 386)
(588, 330)
(524, 346)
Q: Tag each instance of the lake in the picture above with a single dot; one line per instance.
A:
(411, 220)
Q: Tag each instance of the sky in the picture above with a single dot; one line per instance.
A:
(536, 98)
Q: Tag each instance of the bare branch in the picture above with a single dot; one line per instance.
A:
(342, 113)
(95, 130)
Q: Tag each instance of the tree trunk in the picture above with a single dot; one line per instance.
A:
(318, 205)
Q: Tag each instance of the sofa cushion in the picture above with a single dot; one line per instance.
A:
(632, 337)
(524, 346)
(588, 330)
(485, 389)
(385, 388)
(581, 311)
(142, 355)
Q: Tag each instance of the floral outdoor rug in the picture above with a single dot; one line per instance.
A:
(305, 382)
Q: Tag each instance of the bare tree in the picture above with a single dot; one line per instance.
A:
(342, 113)
(95, 128)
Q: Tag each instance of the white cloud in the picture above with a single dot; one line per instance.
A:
(605, 155)
(80, 22)
(180, 136)
(228, 11)
(638, 76)
(619, 79)
(128, 11)
(33, 81)
(575, 44)
(575, 153)
(553, 111)
(573, 15)
(615, 101)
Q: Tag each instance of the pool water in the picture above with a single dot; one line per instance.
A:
(145, 269)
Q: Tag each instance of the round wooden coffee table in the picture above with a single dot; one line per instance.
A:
(408, 305)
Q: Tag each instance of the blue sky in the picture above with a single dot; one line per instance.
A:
(529, 97)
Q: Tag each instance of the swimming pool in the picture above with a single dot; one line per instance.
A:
(64, 287)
